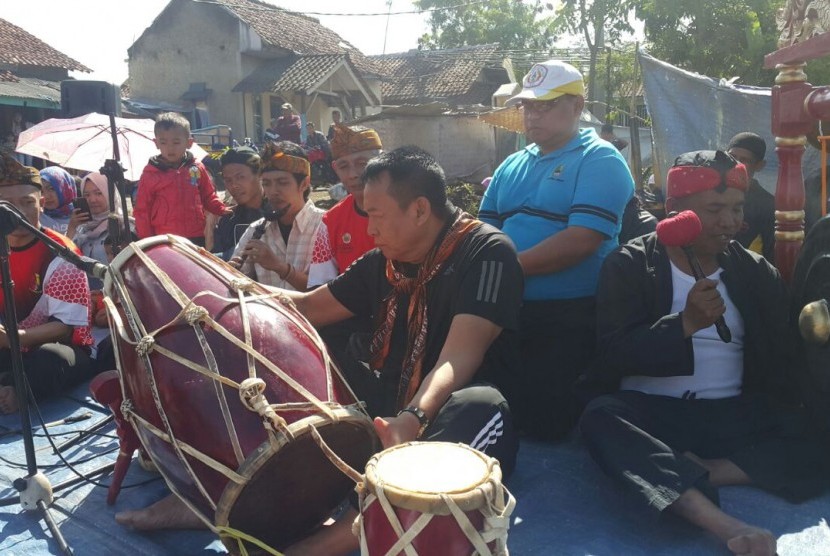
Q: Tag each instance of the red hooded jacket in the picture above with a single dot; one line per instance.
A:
(174, 200)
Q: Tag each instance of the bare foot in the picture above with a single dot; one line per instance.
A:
(168, 513)
(752, 541)
(8, 400)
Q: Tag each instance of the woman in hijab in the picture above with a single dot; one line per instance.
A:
(90, 231)
(58, 194)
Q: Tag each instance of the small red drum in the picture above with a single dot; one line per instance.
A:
(433, 499)
(225, 384)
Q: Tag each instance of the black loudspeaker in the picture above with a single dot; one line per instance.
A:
(82, 97)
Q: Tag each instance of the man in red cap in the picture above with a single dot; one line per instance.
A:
(691, 412)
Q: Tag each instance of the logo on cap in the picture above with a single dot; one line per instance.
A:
(535, 76)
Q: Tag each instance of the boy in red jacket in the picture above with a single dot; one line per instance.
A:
(175, 189)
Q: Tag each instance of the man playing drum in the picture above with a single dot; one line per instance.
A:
(444, 291)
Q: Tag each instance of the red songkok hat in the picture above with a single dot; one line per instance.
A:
(699, 171)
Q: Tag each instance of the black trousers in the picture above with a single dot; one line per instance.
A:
(640, 440)
(478, 416)
(557, 342)
(50, 368)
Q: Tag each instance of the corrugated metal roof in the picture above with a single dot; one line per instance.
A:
(33, 92)
(19, 47)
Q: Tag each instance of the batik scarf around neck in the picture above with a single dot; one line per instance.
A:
(417, 320)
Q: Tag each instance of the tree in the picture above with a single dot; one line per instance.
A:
(713, 37)
(598, 22)
(513, 24)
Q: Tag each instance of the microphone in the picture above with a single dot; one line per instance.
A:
(93, 267)
(11, 217)
(681, 230)
(269, 215)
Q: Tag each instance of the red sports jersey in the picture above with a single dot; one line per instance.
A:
(348, 237)
(47, 288)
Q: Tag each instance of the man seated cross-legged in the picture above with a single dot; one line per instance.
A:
(693, 412)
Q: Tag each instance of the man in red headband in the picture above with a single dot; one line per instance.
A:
(692, 412)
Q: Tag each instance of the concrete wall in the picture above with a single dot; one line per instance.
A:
(191, 43)
(464, 145)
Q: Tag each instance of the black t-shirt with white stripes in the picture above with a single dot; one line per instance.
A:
(482, 277)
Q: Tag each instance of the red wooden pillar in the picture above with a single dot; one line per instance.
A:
(790, 125)
(795, 105)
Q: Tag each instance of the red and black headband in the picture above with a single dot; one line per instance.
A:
(699, 171)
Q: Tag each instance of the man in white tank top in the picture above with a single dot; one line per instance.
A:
(692, 411)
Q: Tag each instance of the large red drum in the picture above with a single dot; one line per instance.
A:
(224, 381)
(433, 499)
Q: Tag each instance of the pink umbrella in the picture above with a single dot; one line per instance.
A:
(85, 142)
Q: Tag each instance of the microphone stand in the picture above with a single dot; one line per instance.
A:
(114, 172)
(35, 489)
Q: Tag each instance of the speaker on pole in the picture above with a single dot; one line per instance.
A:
(80, 97)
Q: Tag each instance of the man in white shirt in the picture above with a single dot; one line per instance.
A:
(693, 412)
(281, 256)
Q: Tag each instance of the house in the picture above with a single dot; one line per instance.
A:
(456, 76)
(30, 76)
(236, 62)
(463, 144)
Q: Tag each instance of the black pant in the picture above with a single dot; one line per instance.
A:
(640, 440)
(557, 342)
(50, 368)
(478, 416)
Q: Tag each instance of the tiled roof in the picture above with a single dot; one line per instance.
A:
(292, 73)
(295, 32)
(452, 74)
(18, 47)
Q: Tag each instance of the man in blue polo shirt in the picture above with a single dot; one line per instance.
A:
(561, 201)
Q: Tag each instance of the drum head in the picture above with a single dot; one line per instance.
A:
(811, 282)
(415, 475)
(293, 491)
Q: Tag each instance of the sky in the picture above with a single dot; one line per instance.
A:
(97, 33)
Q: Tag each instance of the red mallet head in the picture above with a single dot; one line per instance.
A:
(679, 230)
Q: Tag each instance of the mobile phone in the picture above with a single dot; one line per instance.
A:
(82, 205)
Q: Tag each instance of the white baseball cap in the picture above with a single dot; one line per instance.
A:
(549, 80)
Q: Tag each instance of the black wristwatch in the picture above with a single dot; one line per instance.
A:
(422, 418)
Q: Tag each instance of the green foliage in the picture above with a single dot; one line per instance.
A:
(623, 78)
(713, 37)
(464, 196)
(586, 17)
(514, 25)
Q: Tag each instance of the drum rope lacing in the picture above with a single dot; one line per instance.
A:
(200, 319)
(148, 344)
(500, 504)
(251, 393)
(138, 329)
(239, 537)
